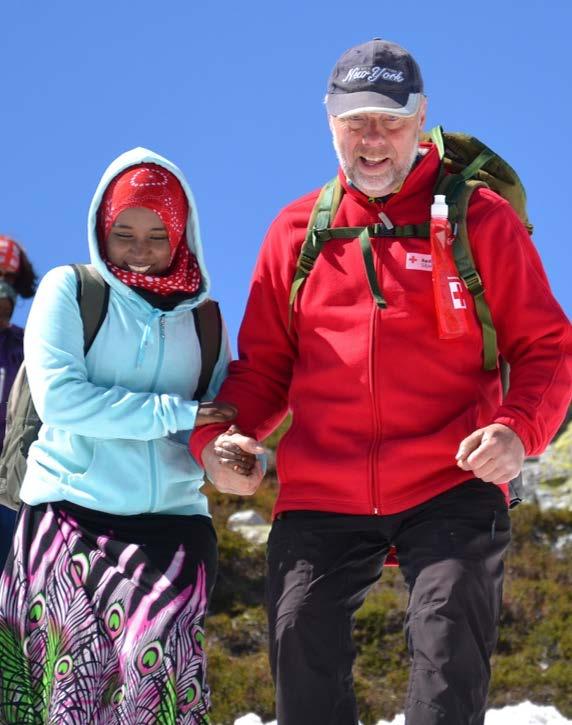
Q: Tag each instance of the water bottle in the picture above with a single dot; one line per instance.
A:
(448, 290)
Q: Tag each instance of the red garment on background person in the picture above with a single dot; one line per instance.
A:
(9, 255)
(154, 188)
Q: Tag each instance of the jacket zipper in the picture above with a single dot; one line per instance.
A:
(151, 444)
(377, 423)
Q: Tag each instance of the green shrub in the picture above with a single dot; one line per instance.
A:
(241, 574)
(244, 634)
(239, 685)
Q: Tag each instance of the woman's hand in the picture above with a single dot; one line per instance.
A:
(231, 464)
(210, 412)
(229, 452)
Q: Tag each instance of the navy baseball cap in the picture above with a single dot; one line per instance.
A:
(376, 77)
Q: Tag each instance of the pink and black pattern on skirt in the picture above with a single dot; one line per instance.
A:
(101, 619)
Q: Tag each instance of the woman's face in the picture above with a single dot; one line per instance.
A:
(138, 242)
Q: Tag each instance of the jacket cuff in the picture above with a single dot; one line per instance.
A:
(201, 436)
(517, 428)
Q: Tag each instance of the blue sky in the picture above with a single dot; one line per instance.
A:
(232, 92)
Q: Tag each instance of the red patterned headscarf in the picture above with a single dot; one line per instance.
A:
(9, 255)
(153, 187)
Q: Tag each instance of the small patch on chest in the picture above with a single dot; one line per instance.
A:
(418, 261)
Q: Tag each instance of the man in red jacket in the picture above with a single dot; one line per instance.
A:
(398, 437)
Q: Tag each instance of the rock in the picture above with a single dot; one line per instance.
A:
(254, 534)
(531, 477)
(551, 496)
(248, 517)
(563, 545)
(250, 525)
(250, 719)
(547, 479)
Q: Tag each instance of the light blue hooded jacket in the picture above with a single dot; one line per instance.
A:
(117, 421)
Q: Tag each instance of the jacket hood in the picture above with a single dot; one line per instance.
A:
(132, 158)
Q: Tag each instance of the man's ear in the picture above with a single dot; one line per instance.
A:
(422, 113)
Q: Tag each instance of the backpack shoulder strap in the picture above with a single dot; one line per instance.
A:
(92, 300)
(458, 189)
(322, 215)
(208, 324)
(466, 266)
(326, 206)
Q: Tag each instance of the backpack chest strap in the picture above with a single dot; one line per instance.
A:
(373, 230)
(365, 235)
(320, 231)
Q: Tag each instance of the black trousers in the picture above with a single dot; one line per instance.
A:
(320, 568)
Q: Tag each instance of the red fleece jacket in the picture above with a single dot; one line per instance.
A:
(379, 403)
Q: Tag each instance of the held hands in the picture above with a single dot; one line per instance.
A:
(214, 413)
(494, 453)
(231, 464)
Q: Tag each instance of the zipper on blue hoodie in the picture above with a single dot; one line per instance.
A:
(151, 444)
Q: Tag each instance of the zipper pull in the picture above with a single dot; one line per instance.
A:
(385, 220)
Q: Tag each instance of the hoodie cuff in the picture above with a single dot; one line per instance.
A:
(186, 414)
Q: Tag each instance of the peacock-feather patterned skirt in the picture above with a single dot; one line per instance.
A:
(102, 616)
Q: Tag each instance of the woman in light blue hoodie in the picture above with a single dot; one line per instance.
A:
(103, 598)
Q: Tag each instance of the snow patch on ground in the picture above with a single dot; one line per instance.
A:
(524, 714)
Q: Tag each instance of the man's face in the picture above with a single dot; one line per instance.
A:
(376, 151)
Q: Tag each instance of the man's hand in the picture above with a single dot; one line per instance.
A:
(494, 454)
(214, 413)
(231, 464)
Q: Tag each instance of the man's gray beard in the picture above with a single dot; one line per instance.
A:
(389, 186)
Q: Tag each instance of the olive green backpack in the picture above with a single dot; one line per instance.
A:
(466, 164)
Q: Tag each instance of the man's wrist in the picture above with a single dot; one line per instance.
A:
(201, 437)
(513, 425)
